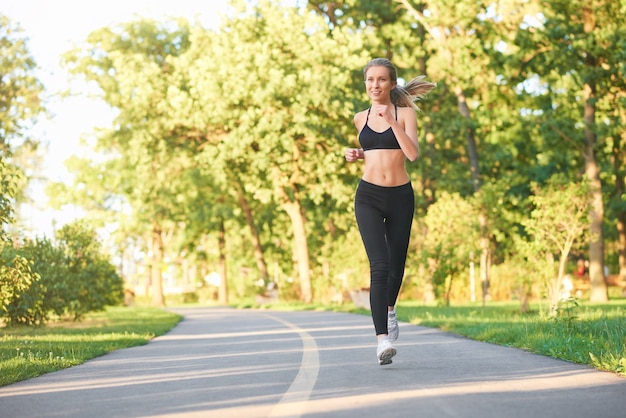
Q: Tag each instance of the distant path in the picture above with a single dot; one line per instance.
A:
(220, 362)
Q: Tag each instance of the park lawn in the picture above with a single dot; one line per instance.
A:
(27, 352)
(584, 333)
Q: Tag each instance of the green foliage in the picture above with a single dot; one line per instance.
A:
(71, 278)
(54, 287)
(17, 304)
(8, 188)
(192, 133)
(16, 275)
(243, 127)
(567, 311)
(94, 281)
(559, 215)
(449, 241)
(151, 173)
(286, 116)
(20, 106)
(559, 218)
(20, 91)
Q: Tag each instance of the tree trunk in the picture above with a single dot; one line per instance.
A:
(485, 255)
(621, 215)
(472, 153)
(596, 247)
(221, 245)
(557, 284)
(621, 231)
(155, 268)
(256, 241)
(184, 265)
(301, 248)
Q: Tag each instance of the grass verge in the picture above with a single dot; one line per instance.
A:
(591, 334)
(27, 352)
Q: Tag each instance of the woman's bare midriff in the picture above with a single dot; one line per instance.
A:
(385, 167)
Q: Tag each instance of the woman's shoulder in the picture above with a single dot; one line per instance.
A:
(360, 116)
(406, 111)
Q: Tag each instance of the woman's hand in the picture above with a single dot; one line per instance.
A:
(384, 112)
(353, 154)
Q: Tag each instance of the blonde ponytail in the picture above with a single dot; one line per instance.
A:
(414, 90)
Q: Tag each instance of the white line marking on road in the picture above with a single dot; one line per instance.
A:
(293, 402)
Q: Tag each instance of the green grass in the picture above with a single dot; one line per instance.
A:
(27, 352)
(592, 334)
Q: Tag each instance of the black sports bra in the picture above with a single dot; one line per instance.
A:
(370, 139)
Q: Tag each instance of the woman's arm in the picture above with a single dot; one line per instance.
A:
(405, 129)
(354, 154)
(407, 137)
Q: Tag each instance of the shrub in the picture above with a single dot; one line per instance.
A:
(71, 278)
(17, 304)
(49, 262)
(93, 281)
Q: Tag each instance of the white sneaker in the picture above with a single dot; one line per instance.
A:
(393, 331)
(385, 352)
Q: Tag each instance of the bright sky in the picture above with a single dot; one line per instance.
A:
(54, 27)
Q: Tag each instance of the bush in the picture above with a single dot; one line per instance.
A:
(17, 304)
(72, 278)
(448, 242)
(50, 264)
(93, 282)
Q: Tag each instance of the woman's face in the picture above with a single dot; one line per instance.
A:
(378, 84)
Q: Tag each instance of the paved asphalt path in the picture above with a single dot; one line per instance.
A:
(220, 362)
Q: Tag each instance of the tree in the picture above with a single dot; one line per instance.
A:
(16, 276)
(8, 184)
(134, 65)
(559, 218)
(20, 90)
(448, 241)
(20, 105)
(574, 50)
(284, 113)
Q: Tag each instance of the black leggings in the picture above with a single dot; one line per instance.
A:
(384, 216)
